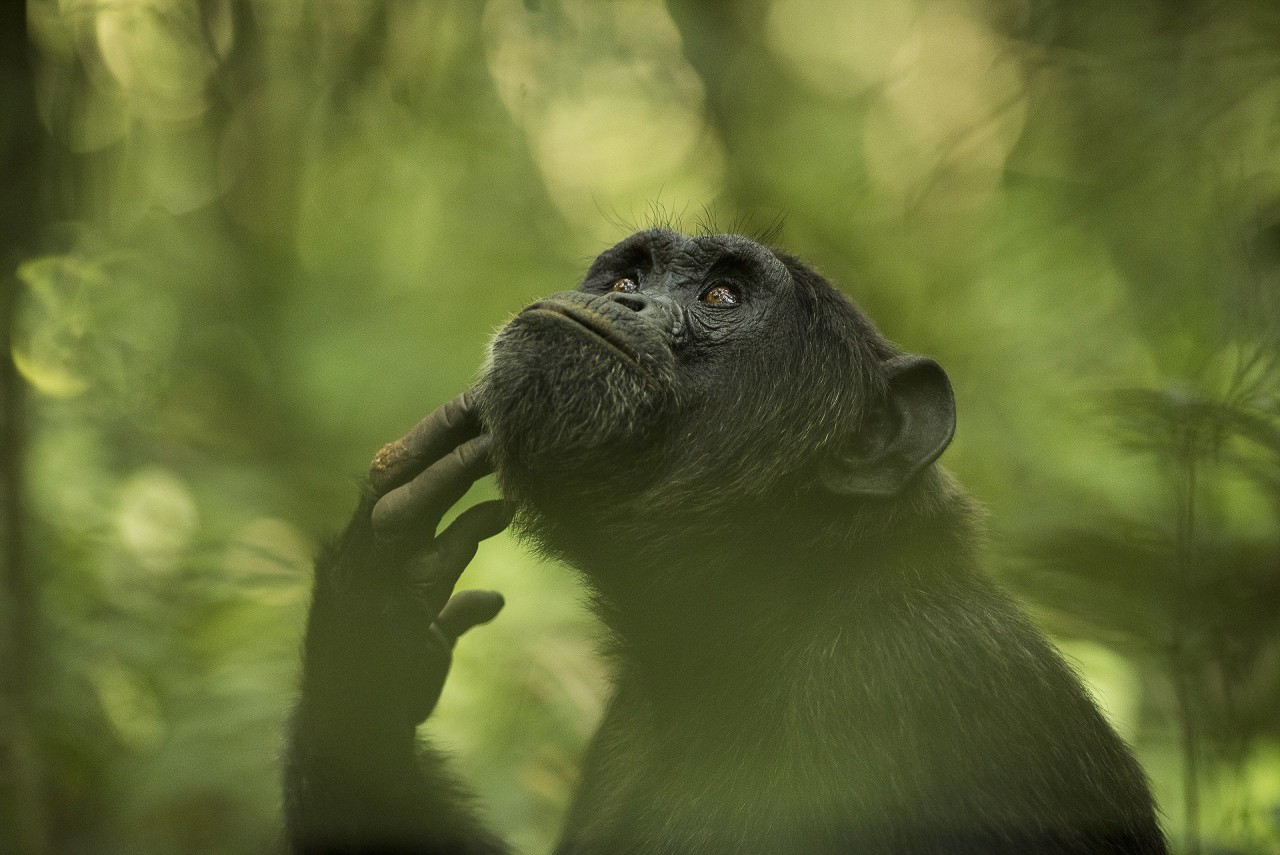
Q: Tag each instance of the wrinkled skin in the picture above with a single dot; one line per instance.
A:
(807, 657)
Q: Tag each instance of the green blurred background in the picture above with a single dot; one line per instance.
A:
(246, 242)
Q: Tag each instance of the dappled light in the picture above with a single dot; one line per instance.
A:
(612, 130)
(252, 240)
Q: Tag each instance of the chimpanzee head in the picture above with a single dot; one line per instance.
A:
(700, 374)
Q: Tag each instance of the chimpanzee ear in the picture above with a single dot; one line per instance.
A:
(898, 440)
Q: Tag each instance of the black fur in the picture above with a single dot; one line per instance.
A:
(805, 660)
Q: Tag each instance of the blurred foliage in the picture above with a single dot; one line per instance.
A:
(275, 233)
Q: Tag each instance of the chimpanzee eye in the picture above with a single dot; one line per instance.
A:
(625, 285)
(721, 295)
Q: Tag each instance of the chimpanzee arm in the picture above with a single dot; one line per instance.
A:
(378, 646)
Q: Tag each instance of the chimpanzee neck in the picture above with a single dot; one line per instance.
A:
(723, 603)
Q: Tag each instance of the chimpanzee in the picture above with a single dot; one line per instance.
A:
(807, 656)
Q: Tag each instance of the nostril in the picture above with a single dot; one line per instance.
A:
(634, 302)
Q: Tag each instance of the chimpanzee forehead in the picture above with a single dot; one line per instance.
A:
(664, 250)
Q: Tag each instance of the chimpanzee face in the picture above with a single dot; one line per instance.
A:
(700, 366)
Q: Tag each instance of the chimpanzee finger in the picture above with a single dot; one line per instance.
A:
(476, 523)
(431, 575)
(467, 609)
(418, 506)
(445, 428)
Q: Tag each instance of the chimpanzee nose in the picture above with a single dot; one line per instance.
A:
(660, 311)
(633, 301)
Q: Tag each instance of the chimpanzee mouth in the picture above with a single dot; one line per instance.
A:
(593, 322)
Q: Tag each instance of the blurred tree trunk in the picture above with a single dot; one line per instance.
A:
(24, 825)
(717, 40)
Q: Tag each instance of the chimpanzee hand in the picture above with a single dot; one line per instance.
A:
(385, 618)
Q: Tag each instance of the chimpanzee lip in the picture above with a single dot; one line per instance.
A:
(592, 322)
